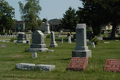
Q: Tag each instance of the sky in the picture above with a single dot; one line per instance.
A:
(51, 9)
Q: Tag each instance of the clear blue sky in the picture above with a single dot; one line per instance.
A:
(50, 8)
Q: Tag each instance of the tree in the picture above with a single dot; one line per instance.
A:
(100, 12)
(92, 15)
(30, 13)
(44, 20)
(6, 16)
(69, 19)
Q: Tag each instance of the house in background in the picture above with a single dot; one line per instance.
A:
(53, 24)
(19, 26)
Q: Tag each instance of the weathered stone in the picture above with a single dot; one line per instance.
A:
(25, 66)
(92, 44)
(45, 67)
(112, 65)
(78, 63)
(69, 39)
(47, 30)
(53, 42)
(21, 37)
(81, 50)
(38, 44)
(34, 55)
(61, 39)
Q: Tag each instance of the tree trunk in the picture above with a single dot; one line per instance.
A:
(113, 32)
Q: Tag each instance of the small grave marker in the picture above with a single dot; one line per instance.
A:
(3, 45)
(34, 55)
(106, 42)
(112, 65)
(78, 63)
(92, 44)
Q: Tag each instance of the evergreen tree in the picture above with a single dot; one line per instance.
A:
(100, 12)
(69, 19)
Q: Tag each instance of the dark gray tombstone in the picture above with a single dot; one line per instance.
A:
(53, 42)
(81, 49)
(21, 37)
(38, 44)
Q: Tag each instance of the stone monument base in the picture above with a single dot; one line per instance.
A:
(37, 49)
(81, 53)
(38, 46)
(21, 41)
(53, 45)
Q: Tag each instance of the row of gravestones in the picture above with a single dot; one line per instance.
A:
(80, 55)
(38, 44)
(7, 35)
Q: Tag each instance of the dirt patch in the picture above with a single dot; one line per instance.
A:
(17, 56)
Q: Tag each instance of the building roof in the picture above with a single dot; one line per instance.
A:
(54, 21)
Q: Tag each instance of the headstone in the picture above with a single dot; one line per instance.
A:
(15, 41)
(81, 49)
(78, 63)
(28, 42)
(3, 40)
(21, 37)
(53, 42)
(112, 65)
(47, 30)
(92, 44)
(3, 45)
(106, 42)
(34, 55)
(45, 67)
(51, 50)
(69, 39)
(25, 66)
(61, 39)
(38, 44)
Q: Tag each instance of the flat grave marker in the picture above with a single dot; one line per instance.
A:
(112, 65)
(78, 63)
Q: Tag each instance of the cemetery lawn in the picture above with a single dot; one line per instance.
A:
(13, 54)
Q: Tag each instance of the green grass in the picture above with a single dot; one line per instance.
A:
(13, 54)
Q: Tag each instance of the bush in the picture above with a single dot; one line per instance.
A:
(12, 39)
(95, 40)
(2, 33)
(48, 36)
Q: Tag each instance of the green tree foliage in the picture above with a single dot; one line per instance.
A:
(6, 16)
(30, 13)
(100, 12)
(44, 20)
(69, 19)
(91, 14)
